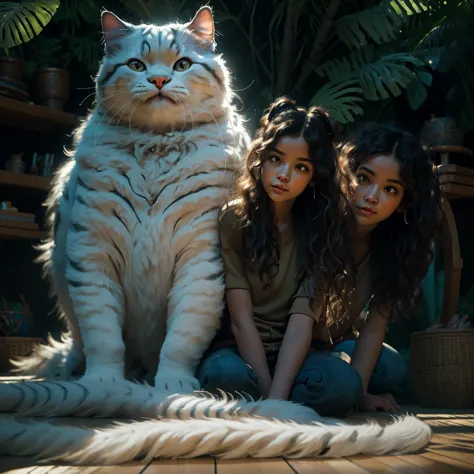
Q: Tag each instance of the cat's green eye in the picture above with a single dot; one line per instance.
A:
(136, 65)
(182, 64)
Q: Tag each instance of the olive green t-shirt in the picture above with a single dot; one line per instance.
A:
(356, 299)
(271, 307)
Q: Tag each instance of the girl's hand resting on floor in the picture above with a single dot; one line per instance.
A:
(384, 402)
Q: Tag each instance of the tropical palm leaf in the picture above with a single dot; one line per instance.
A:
(412, 7)
(340, 99)
(416, 91)
(380, 77)
(388, 76)
(379, 24)
(22, 21)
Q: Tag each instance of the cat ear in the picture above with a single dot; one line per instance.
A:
(114, 30)
(203, 24)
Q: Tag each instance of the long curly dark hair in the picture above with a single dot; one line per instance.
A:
(402, 246)
(316, 214)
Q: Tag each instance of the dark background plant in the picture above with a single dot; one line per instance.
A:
(397, 60)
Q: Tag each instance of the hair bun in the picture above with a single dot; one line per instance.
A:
(330, 125)
(281, 105)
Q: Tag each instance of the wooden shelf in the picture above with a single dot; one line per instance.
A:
(23, 180)
(457, 191)
(11, 233)
(34, 117)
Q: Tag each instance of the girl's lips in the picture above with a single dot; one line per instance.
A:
(366, 212)
(279, 190)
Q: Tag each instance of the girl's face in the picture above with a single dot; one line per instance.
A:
(287, 170)
(379, 190)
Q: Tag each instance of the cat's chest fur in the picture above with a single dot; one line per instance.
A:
(154, 187)
(147, 175)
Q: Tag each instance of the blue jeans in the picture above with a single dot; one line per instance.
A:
(325, 382)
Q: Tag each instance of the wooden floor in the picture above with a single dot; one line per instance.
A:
(451, 451)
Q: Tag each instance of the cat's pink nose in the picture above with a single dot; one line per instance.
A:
(159, 81)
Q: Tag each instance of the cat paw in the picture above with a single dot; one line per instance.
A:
(176, 383)
(104, 375)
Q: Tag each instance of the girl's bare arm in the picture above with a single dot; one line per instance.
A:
(293, 352)
(249, 342)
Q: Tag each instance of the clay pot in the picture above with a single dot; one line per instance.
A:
(12, 67)
(51, 87)
(439, 131)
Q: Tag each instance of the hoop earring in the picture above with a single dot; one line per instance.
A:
(327, 199)
(327, 205)
(405, 217)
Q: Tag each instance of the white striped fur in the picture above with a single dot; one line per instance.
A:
(185, 426)
(130, 400)
(133, 253)
(246, 437)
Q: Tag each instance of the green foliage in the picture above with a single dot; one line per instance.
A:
(379, 76)
(22, 21)
(78, 25)
(47, 52)
(87, 51)
(347, 56)
(411, 7)
(341, 99)
(378, 24)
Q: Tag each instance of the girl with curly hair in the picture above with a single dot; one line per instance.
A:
(391, 184)
(280, 225)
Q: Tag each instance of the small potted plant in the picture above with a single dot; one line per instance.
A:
(49, 61)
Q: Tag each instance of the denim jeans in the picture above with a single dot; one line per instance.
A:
(325, 382)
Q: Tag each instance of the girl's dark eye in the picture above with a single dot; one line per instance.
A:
(391, 189)
(362, 178)
(136, 65)
(182, 64)
(302, 168)
(274, 159)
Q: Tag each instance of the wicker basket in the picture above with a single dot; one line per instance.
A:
(12, 347)
(442, 368)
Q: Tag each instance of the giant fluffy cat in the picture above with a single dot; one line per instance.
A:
(134, 249)
(135, 253)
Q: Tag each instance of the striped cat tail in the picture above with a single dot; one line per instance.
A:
(126, 399)
(231, 439)
(56, 359)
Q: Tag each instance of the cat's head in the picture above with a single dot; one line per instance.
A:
(162, 77)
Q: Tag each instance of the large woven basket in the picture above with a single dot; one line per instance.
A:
(13, 347)
(442, 368)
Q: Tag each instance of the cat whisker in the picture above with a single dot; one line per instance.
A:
(106, 111)
(111, 119)
(186, 107)
(95, 92)
(123, 109)
(130, 120)
(232, 124)
(217, 124)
